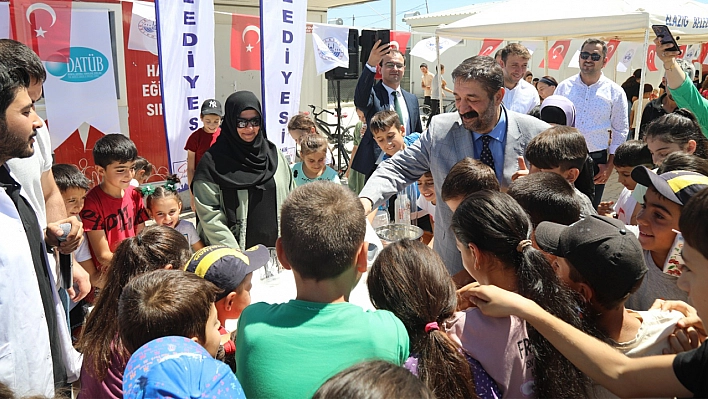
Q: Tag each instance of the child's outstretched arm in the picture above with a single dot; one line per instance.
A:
(625, 377)
(197, 246)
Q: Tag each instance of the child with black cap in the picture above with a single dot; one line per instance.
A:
(230, 270)
(658, 221)
(602, 261)
(203, 138)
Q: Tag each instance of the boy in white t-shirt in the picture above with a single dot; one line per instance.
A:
(629, 155)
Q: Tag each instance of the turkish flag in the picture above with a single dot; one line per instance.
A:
(556, 54)
(683, 51)
(611, 48)
(651, 55)
(704, 53)
(488, 47)
(245, 42)
(399, 40)
(45, 27)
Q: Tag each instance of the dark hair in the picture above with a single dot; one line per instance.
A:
(11, 82)
(601, 298)
(312, 143)
(516, 49)
(68, 176)
(466, 177)
(374, 379)
(423, 65)
(648, 88)
(546, 197)
(482, 69)
(167, 190)
(633, 153)
(114, 148)
(595, 41)
(549, 80)
(382, 121)
(143, 164)
(16, 55)
(694, 222)
(679, 127)
(153, 248)
(637, 74)
(410, 280)
(682, 161)
(162, 303)
(322, 227)
(558, 146)
(300, 122)
(496, 224)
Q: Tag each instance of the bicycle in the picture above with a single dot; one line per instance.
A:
(341, 136)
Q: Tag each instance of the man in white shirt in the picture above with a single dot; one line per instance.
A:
(519, 95)
(601, 110)
(426, 81)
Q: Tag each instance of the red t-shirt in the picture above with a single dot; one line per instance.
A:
(118, 217)
(199, 142)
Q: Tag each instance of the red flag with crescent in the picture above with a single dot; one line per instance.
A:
(651, 55)
(399, 40)
(489, 46)
(611, 48)
(245, 42)
(556, 54)
(44, 26)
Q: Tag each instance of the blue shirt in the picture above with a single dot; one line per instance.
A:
(496, 146)
(300, 177)
(408, 139)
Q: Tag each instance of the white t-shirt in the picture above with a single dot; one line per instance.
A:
(656, 284)
(83, 253)
(186, 228)
(624, 207)
(426, 207)
(521, 98)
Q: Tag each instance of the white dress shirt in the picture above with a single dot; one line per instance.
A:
(600, 107)
(521, 98)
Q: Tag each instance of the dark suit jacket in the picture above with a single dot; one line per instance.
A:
(372, 98)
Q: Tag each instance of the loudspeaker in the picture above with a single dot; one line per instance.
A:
(353, 71)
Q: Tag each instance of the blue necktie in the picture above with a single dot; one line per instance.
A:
(486, 155)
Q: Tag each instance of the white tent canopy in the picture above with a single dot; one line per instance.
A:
(625, 20)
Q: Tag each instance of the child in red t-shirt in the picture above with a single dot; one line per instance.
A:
(203, 138)
(113, 210)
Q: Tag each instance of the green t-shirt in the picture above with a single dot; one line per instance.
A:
(687, 96)
(288, 350)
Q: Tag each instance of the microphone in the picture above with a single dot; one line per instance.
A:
(66, 261)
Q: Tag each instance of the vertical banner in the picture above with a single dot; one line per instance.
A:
(282, 49)
(143, 29)
(5, 21)
(185, 35)
(81, 91)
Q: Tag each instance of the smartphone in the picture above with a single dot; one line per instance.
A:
(368, 39)
(384, 36)
(664, 33)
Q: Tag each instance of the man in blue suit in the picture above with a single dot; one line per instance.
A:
(482, 129)
(372, 98)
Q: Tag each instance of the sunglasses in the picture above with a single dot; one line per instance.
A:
(594, 56)
(244, 123)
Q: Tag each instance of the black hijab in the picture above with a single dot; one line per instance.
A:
(233, 163)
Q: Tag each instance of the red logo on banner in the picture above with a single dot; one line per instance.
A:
(704, 53)
(245, 42)
(683, 51)
(45, 27)
(651, 54)
(611, 48)
(556, 54)
(399, 40)
(489, 46)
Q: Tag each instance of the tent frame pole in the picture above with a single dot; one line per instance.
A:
(545, 57)
(438, 71)
(638, 113)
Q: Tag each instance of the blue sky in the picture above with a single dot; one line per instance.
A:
(377, 14)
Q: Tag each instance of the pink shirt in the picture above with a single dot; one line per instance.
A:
(502, 347)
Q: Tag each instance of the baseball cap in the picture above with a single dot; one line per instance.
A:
(607, 255)
(178, 367)
(212, 107)
(226, 267)
(678, 185)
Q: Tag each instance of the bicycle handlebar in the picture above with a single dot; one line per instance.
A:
(314, 107)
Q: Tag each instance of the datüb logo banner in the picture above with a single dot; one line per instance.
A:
(331, 44)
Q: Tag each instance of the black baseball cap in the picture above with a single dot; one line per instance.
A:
(212, 107)
(226, 267)
(601, 249)
(678, 186)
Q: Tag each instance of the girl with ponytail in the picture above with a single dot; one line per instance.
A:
(410, 280)
(494, 237)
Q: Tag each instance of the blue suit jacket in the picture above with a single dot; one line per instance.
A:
(372, 98)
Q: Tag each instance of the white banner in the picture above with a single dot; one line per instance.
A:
(573, 62)
(692, 52)
(626, 61)
(530, 46)
(84, 89)
(425, 48)
(331, 44)
(143, 29)
(282, 47)
(4, 20)
(186, 40)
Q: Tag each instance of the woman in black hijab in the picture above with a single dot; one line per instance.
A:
(241, 182)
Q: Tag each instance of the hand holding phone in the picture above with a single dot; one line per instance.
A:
(663, 32)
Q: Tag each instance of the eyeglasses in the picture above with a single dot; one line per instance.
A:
(594, 56)
(391, 65)
(244, 123)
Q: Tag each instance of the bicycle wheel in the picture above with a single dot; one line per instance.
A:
(425, 112)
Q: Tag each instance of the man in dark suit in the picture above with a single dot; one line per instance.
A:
(372, 98)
